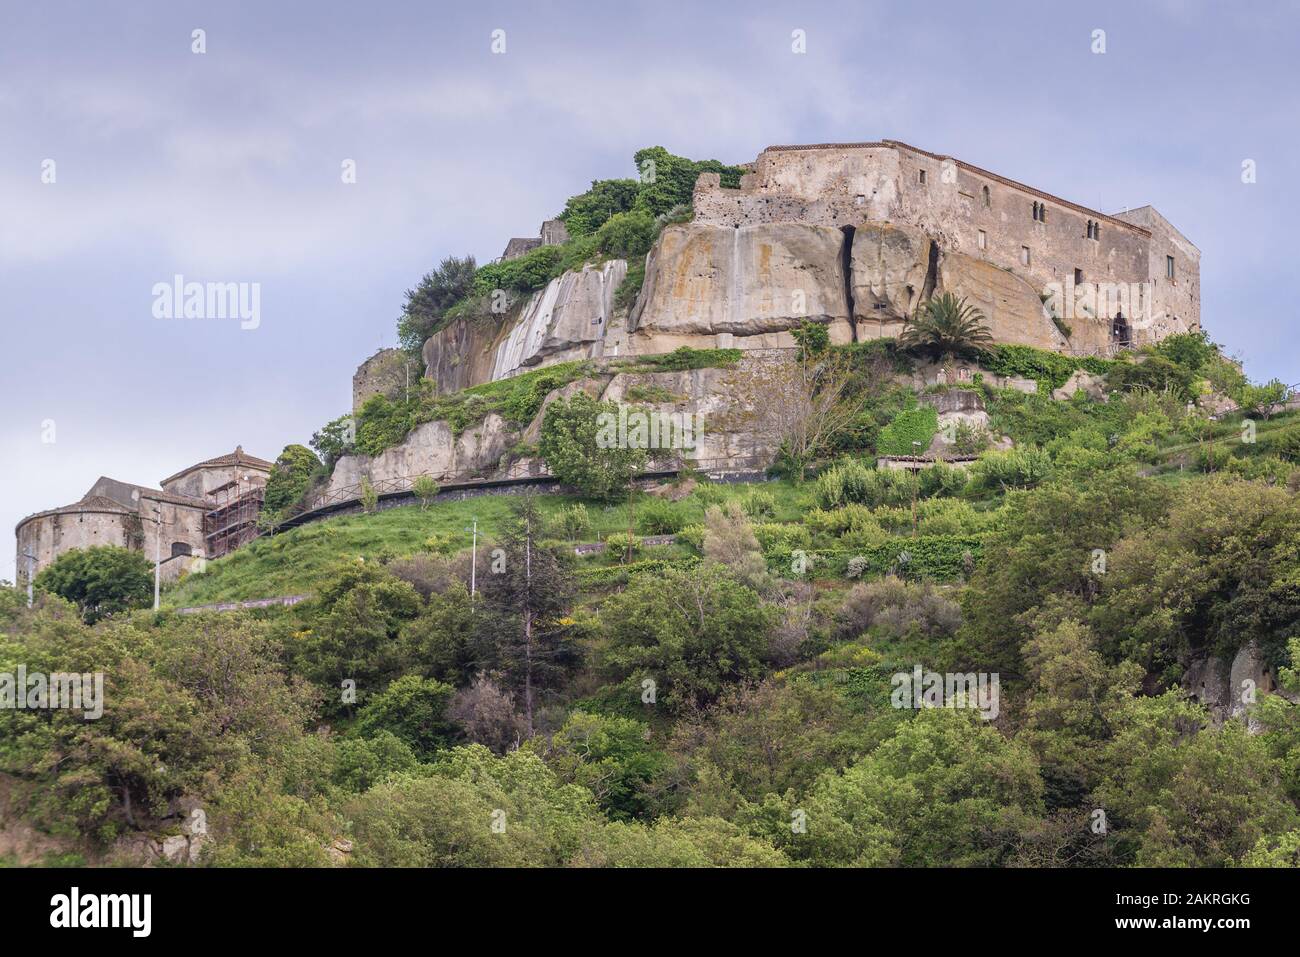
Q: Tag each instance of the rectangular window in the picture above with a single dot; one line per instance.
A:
(983, 240)
(1078, 277)
(1169, 267)
(1024, 255)
(921, 176)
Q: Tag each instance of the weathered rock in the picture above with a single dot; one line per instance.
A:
(388, 372)
(891, 276)
(703, 281)
(462, 354)
(430, 449)
(1226, 688)
(1011, 306)
(1082, 381)
(565, 320)
(176, 848)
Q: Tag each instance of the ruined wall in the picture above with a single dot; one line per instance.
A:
(385, 373)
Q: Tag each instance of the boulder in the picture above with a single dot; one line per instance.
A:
(1087, 382)
(891, 275)
(763, 280)
(1011, 306)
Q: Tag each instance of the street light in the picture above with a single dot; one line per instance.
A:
(473, 565)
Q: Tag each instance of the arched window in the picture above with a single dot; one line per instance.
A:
(181, 548)
(987, 203)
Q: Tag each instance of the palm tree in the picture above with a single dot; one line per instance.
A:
(946, 327)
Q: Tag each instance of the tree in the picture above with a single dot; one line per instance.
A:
(585, 213)
(414, 709)
(691, 632)
(945, 327)
(290, 477)
(523, 630)
(425, 489)
(100, 580)
(429, 301)
(796, 404)
(577, 447)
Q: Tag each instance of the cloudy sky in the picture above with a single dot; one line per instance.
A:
(226, 166)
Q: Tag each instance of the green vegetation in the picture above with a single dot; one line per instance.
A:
(100, 581)
(946, 328)
(697, 703)
(291, 476)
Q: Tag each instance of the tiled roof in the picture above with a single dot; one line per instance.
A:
(236, 458)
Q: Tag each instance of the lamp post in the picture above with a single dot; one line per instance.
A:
(473, 564)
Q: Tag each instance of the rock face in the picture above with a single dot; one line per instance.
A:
(893, 272)
(430, 449)
(1227, 688)
(565, 320)
(730, 402)
(462, 354)
(704, 282)
(1012, 308)
(1082, 381)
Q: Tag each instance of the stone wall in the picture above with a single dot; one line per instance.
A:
(387, 373)
(974, 213)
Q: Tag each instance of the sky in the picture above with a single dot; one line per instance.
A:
(228, 166)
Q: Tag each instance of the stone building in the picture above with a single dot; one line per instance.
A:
(389, 372)
(854, 237)
(913, 222)
(201, 511)
(552, 233)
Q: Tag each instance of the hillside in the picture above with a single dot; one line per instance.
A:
(1084, 578)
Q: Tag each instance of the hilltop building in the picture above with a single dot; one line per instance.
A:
(203, 511)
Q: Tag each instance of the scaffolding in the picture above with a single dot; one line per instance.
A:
(231, 519)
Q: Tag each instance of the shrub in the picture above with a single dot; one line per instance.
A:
(369, 497)
(760, 504)
(100, 580)
(527, 273)
(657, 516)
(1014, 468)
(910, 432)
(291, 476)
(573, 522)
(620, 543)
(425, 489)
(587, 212)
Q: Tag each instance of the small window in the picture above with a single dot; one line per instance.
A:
(982, 240)
(181, 548)
(860, 200)
(921, 176)
(987, 202)
(1024, 255)
(1078, 277)
(1169, 267)
(1088, 233)
(1096, 230)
